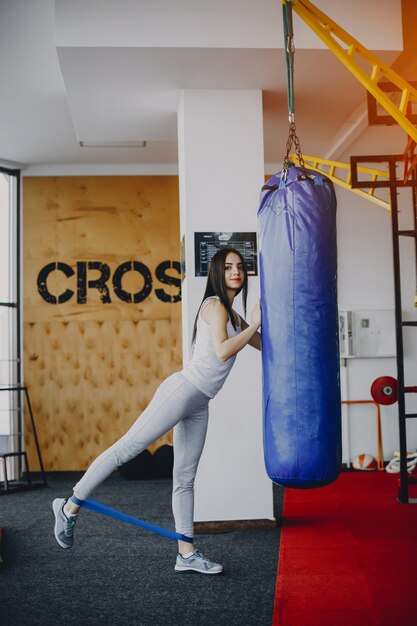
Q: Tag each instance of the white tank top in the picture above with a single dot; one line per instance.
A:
(205, 370)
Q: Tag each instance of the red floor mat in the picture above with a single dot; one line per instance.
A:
(348, 555)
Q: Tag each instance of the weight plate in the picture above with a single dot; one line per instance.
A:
(384, 390)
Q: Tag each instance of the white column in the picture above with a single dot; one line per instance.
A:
(221, 170)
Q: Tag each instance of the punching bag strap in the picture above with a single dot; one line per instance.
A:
(289, 58)
(289, 55)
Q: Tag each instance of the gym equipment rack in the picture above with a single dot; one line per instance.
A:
(394, 184)
(21, 454)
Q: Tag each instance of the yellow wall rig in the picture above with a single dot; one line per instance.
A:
(347, 50)
(334, 170)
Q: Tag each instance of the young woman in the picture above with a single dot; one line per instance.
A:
(181, 402)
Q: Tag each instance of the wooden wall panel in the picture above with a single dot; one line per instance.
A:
(92, 368)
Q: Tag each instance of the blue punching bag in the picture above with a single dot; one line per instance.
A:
(300, 349)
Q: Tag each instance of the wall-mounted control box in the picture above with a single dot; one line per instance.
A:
(367, 334)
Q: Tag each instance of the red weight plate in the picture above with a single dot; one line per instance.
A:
(384, 390)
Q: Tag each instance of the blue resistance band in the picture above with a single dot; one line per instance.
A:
(96, 507)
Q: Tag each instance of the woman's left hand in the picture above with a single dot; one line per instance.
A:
(256, 314)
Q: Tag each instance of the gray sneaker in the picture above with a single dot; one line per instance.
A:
(197, 563)
(64, 526)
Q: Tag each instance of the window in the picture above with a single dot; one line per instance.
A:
(10, 348)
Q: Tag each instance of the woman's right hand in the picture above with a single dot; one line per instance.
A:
(256, 314)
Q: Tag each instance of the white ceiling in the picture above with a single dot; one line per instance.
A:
(112, 70)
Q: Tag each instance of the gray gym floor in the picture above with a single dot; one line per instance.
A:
(120, 575)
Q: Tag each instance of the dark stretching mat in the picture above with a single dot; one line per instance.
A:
(119, 575)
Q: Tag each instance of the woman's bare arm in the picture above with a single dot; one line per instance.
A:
(217, 317)
(256, 341)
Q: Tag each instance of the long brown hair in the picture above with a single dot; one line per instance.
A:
(216, 285)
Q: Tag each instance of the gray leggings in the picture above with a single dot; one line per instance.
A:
(179, 404)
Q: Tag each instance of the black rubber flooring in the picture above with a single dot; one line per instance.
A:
(120, 575)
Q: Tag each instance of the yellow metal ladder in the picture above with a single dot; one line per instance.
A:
(348, 50)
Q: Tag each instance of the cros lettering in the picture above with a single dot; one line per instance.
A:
(87, 279)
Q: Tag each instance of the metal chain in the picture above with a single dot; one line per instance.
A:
(293, 141)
